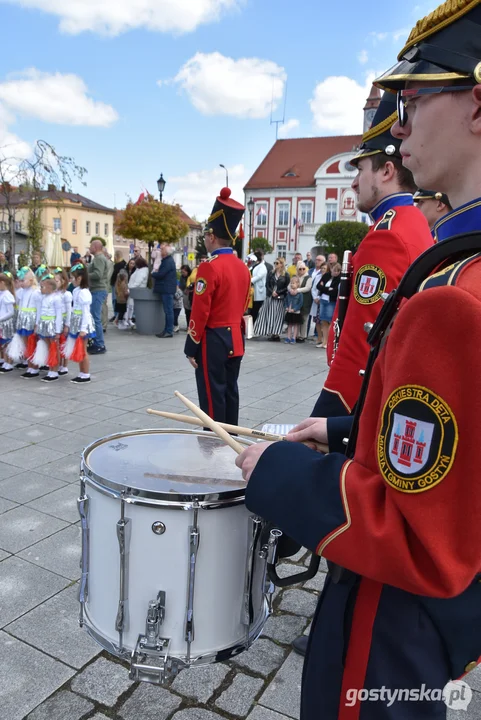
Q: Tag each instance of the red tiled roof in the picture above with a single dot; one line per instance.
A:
(301, 156)
(191, 223)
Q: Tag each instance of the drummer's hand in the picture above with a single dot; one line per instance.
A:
(193, 363)
(248, 460)
(313, 428)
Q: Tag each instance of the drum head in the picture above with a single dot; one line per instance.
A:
(165, 464)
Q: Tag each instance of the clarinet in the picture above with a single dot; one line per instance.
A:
(343, 299)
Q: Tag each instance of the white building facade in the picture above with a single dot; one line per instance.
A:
(301, 184)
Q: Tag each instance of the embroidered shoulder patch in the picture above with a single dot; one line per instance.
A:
(369, 284)
(417, 442)
(200, 286)
(386, 221)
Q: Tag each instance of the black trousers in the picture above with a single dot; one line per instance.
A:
(216, 378)
(256, 306)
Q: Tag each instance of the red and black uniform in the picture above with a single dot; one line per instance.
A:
(400, 234)
(401, 514)
(216, 334)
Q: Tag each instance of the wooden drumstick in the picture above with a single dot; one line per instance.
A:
(215, 427)
(237, 429)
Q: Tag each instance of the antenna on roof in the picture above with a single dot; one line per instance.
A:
(278, 122)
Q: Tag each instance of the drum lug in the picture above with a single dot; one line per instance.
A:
(83, 508)
(152, 645)
(254, 529)
(124, 527)
(194, 539)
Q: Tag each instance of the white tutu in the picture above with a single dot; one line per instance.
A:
(67, 349)
(40, 356)
(16, 349)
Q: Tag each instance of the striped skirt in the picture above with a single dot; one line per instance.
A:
(271, 317)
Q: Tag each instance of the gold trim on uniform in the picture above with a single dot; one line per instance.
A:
(430, 77)
(386, 220)
(455, 213)
(379, 129)
(192, 332)
(444, 15)
(345, 503)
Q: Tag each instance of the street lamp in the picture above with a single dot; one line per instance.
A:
(226, 175)
(250, 207)
(161, 185)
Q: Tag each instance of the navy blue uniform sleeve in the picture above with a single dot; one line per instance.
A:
(306, 505)
(338, 428)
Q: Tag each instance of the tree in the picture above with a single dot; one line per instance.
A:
(341, 235)
(200, 248)
(152, 221)
(260, 243)
(22, 181)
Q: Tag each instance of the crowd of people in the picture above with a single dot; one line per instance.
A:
(295, 297)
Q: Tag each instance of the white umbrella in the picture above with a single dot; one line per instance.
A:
(53, 250)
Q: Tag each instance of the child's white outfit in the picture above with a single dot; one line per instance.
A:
(27, 304)
(7, 312)
(49, 316)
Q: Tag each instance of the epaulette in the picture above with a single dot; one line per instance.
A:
(386, 221)
(448, 275)
(211, 258)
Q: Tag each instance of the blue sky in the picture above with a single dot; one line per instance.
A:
(132, 89)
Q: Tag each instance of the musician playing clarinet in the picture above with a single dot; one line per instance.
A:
(399, 234)
(398, 630)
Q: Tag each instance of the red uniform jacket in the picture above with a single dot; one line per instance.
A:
(220, 300)
(384, 255)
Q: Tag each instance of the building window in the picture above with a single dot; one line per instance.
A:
(282, 214)
(18, 225)
(74, 227)
(305, 212)
(97, 228)
(261, 214)
(106, 230)
(57, 224)
(281, 250)
(87, 227)
(331, 212)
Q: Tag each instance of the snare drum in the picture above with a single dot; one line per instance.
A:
(173, 564)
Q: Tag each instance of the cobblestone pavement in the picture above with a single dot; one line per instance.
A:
(51, 670)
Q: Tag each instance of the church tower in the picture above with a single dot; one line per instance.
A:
(372, 104)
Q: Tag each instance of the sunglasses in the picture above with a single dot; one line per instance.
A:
(404, 96)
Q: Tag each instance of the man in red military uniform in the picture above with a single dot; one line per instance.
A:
(433, 205)
(398, 511)
(399, 234)
(215, 337)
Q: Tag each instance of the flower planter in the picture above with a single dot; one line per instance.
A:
(148, 310)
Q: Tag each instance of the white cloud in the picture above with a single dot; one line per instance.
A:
(112, 17)
(196, 191)
(363, 57)
(284, 130)
(219, 85)
(54, 98)
(337, 104)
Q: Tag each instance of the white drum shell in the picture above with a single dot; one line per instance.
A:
(161, 562)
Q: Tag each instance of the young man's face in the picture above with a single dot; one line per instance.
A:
(435, 139)
(367, 185)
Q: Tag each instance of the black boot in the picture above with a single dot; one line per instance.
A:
(300, 645)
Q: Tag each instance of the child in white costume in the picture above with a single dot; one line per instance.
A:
(61, 279)
(7, 321)
(81, 324)
(23, 343)
(48, 328)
